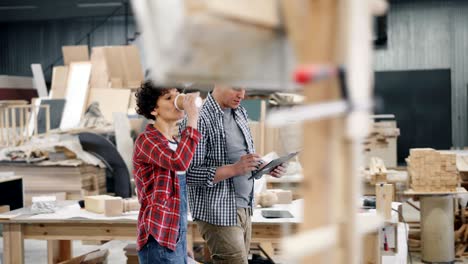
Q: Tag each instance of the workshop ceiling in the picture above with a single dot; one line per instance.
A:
(30, 10)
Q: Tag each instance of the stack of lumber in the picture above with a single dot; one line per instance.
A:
(414, 236)
(381, 143)
(76, 182)
(115, 70)
(432, 171)
(116, 67)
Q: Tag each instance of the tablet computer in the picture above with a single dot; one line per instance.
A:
(276, 214)
(272, 165)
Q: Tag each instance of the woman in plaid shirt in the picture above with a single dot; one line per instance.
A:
(160, 163)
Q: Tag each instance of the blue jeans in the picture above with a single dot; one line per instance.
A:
(153, 252)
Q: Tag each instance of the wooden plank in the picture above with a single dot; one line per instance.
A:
(110, 101)
(268, 248)
(21, 129)
(99, 75)
(77, 94)
(6, 243)
(16, 244)
(133, 70)
(262, 127)
(75, 54)
(13, 126)
(114, 57)
(27, 121)
(7, 126)
(34, 106)
(371, 249)
(312, 28)
(384, 198)
(256, 136)
(39, 81)
(58, 87)
(76, 231)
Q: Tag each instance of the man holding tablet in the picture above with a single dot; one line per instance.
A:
(219, 181)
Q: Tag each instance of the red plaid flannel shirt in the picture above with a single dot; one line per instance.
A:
(155, 166)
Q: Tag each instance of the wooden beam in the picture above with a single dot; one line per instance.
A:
(312, 28)
(371, 249)
(79, 231)
(384, 198)
(58, 251)
(13, 244)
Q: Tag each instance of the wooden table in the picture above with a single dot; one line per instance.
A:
(59, 232)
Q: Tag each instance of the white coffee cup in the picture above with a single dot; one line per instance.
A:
(179, 102)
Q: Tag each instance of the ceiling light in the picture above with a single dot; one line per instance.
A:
(109, 4)
(17, 7)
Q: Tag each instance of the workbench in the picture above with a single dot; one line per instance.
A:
(70, 222)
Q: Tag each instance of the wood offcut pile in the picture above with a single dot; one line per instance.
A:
(381, 133)
(377, 170)
(382, 142)
(432, 171)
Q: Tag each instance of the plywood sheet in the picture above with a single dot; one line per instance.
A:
(59, 82)
(110, 101)
(77, 94)
(114, 57)
(75, 54)
(39, 81)
(99, 75)
(133, 71)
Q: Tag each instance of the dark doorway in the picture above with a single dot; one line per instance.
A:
(421, 103)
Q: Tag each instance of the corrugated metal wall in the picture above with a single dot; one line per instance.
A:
(23, 43)
(431, 34)
(423, 34)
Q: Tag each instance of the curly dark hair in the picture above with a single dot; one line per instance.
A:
(147, 96)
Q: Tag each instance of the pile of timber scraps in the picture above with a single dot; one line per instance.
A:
(381, 132)
(378, 171)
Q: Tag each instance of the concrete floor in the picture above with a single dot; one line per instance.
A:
(36, 251)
